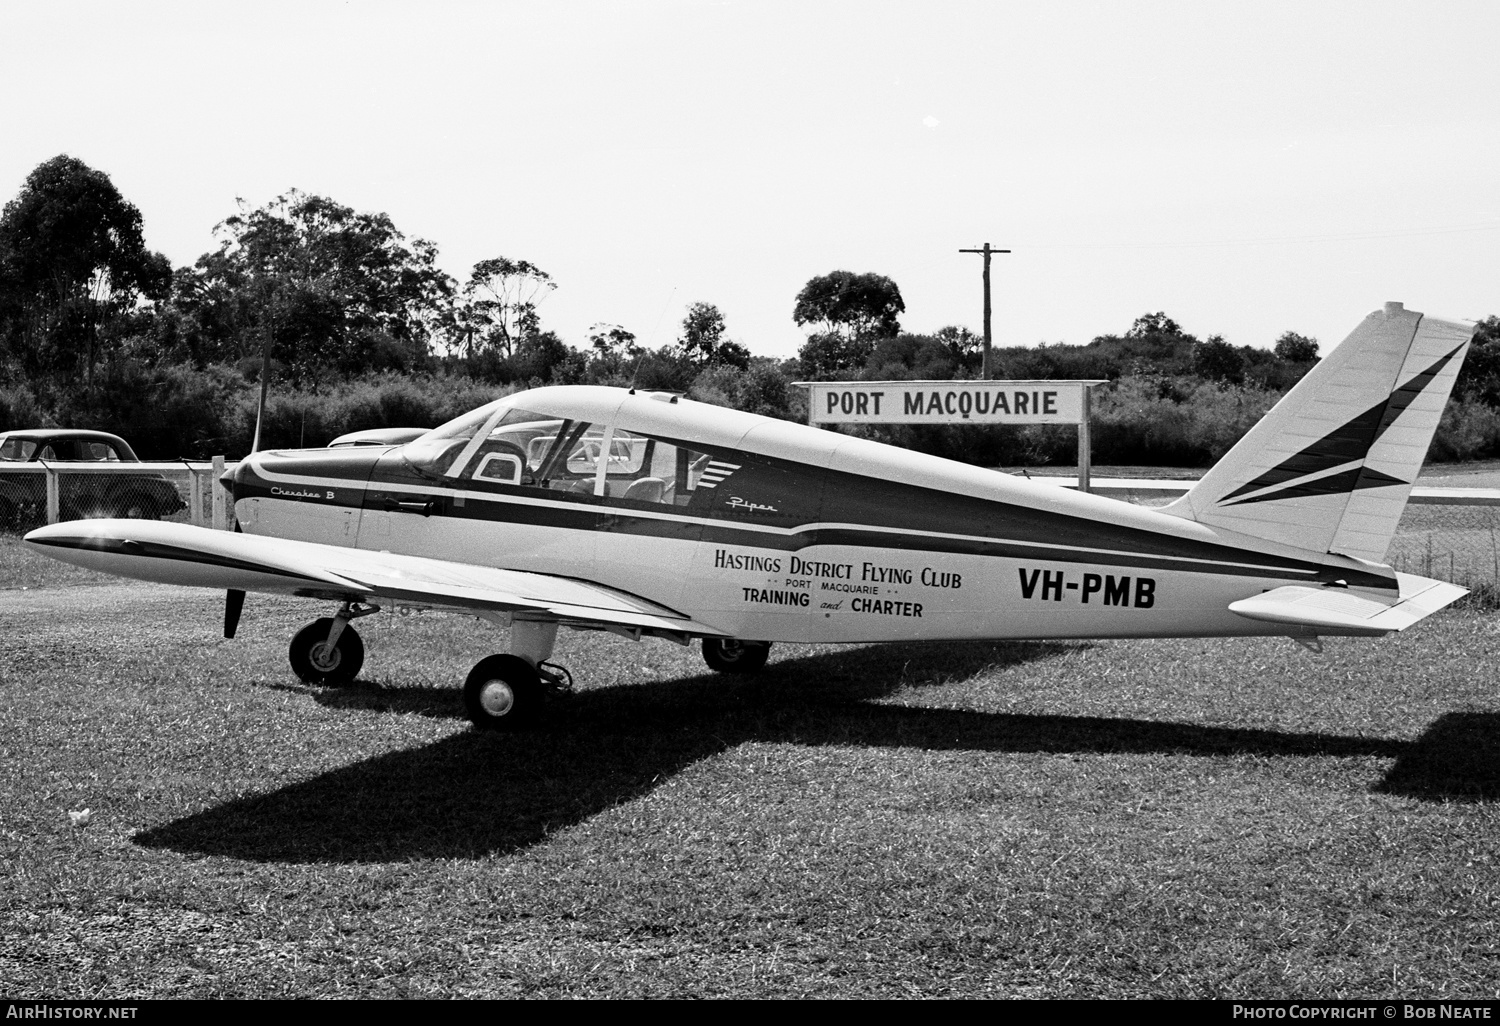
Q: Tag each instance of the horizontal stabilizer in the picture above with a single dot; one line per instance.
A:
(1341, 611)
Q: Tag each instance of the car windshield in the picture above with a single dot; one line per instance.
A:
(17, 449)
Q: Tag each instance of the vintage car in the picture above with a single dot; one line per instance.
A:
(23, 496)
(378, 436)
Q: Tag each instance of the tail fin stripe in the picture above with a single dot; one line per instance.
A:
(1404, 396)
(1350, 480)
(1351, 441)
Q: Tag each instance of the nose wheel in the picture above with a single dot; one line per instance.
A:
(315, 661)
(327, 651)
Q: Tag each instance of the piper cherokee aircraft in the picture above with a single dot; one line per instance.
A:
(649, 515)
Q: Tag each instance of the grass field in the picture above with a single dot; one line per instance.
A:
(1223, 818)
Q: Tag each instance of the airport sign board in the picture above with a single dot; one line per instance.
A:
(947, 402)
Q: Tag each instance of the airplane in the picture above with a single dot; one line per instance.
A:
(649, 515)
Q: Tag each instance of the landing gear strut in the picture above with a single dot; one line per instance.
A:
(727, 655)
(329, 651)
(508, 692)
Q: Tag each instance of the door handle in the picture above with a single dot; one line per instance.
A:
(409, 506)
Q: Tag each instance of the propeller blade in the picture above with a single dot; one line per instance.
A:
(234, 604)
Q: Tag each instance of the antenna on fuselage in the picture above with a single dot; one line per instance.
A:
(636, 369)
(654, 329)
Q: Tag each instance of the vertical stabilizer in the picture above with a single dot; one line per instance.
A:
(1331, 466)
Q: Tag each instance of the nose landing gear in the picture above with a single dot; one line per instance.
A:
(328, 651)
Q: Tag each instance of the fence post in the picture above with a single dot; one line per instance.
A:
(53, 503)
(217, 490)
(195, 496)
(1085, 442)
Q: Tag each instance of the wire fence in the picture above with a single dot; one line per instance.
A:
(1453, 543)
(32, 494)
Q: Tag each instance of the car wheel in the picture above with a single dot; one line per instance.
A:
(134, 505)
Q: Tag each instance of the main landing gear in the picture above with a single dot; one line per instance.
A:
(507, 692)
(727, 655)
(502, 692)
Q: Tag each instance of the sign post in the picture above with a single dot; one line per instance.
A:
(956, 402)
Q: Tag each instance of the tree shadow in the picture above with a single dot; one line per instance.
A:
(476, 794)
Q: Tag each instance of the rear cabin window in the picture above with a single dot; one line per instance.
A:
(657, 472)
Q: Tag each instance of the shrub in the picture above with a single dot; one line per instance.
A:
(19, 409)
(1468, 430)
(163, 412)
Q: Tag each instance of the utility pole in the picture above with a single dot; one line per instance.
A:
(984, 364)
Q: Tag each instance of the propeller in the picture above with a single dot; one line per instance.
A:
(234, 604)
(234, 601)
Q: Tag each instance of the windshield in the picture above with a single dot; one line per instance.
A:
(503, 443)
(503, 446)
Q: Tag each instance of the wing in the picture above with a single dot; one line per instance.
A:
(1340, 611)
(198, 557)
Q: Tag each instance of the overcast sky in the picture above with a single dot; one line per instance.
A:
(1247, 168)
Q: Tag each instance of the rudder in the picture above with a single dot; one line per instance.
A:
(1331, 466)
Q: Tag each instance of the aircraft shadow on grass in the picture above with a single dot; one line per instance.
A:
(475, 794)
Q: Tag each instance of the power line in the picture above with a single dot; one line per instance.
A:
(1274, 240)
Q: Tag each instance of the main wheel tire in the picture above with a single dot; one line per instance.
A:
(728, 655)
(503, 692)
(314, 662)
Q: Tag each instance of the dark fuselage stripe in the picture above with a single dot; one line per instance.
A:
(1224, 560)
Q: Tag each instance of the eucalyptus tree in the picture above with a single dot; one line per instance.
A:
(73, 262)
(498, 309)
(333, 289)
